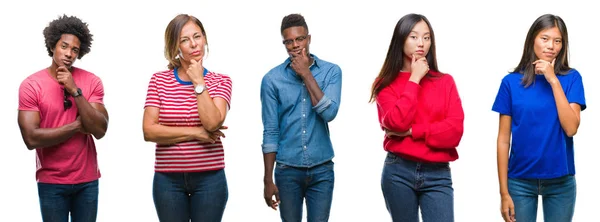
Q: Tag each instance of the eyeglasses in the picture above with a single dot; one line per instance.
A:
(66, 102)
(297, 39)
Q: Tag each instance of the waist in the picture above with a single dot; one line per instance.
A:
(418, 151)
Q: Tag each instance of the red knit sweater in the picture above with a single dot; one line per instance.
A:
(432, 109)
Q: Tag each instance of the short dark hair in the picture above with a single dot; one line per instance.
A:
(68, 25)
(292, 20)
(561, 65)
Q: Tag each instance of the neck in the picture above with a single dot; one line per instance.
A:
(181, 71)
(52, 69)
(406, 64)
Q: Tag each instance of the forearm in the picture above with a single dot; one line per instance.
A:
(209, 114)
(399, 111)
(166, 135)
(313, 88)
(48, 137)
(502, 161)
(566, 115)
(269, 163)
(93, 121)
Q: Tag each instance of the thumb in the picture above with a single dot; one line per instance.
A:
(193, 61)
(414, 58)
(512, 212)
(553, 61)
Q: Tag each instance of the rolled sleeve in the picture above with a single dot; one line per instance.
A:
(329, 104)
(270, 118)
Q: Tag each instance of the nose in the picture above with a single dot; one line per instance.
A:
(68, 53)
(193, 43)
(550, 45)
(420, 42)
(295, 43)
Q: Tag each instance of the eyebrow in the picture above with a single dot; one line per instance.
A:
(426, 33)
(195, 33)
(66, 43)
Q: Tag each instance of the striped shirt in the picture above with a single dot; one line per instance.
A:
(178, 108)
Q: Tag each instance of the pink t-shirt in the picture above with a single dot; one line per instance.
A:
(73, 161)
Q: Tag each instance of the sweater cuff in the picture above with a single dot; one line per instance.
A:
(419, 131)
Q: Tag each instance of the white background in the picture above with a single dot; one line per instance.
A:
(478, 43)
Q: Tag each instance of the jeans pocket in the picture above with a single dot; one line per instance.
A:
(281, 166)
(391, 158)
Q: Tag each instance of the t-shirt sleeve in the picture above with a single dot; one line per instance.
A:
(223, 89)
(97, 95)
(28, 96)
(576, 94)
(503, 102)
(152, 98)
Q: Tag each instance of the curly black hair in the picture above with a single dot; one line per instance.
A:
(68, 25)
(292, 20)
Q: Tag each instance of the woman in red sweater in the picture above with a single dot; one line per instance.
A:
(421, 113)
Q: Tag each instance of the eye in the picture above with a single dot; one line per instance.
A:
(413, 37)
(76, 50)
(63, 46)
(197, 37)
(184, 40)
(558, 41)
(427, 38)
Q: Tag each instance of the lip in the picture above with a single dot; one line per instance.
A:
(67, 62)
(195, 53)
(420, 51)
(549, 54)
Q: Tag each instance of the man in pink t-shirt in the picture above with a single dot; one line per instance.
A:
(60, 109)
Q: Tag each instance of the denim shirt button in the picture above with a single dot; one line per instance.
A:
(304, 147)
(304, 133)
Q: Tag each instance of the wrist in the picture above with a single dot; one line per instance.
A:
(268, 180)
(198, 81)
(414, 78)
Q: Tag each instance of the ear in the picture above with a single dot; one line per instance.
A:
(308, 38)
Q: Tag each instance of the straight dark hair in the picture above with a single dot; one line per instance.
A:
(561, 64)
(394, 59)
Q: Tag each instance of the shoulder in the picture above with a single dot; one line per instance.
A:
(35, 80)
(218, 77)
(275, 71)
(573, 73)
(84, 73)
(162, 75)
(513, 77)
(326, 64)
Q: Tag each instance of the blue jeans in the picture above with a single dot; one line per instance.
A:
(558, 198)
(408, 185)
(296, 183)
(181, 197)
(58, 200)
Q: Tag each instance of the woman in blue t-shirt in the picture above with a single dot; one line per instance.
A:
(539, 104)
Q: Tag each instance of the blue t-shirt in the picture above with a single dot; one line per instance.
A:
(540, 148)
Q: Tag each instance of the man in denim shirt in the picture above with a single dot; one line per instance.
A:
(299, 98)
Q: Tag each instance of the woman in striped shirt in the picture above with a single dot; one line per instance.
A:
(185, 108)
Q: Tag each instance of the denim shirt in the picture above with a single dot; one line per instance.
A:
(297, 131)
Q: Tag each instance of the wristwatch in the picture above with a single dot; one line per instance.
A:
(78, 93)
(199, 89)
